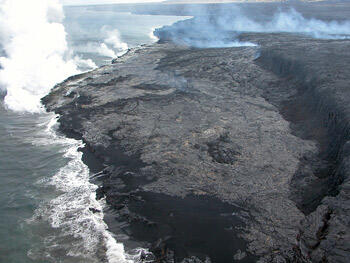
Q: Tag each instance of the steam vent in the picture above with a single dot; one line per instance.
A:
(235, 153)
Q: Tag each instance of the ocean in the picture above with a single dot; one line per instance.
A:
(48, 205)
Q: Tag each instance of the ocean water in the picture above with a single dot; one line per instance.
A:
(46, 197)
(100, 34)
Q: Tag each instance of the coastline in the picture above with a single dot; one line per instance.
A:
(135, 238)
(128, 174)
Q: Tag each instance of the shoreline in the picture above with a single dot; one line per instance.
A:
(149, 160)
(169, 209)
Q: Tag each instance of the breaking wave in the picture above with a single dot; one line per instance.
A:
(75, 213)
(34, 57)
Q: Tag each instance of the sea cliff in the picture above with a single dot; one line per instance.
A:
(222, 154)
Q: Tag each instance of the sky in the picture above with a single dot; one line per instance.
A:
(88, 2)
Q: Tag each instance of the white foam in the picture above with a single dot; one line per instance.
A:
(70, 212)
(36, 58)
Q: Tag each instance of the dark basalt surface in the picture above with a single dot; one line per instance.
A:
(227, 155)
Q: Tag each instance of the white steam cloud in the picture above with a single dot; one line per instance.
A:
(291, 22)
(110, 46)
(113, 38)
(36, 57)
(36, 51)
(220, 29)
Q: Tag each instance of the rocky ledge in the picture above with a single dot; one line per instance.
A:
(220, 155)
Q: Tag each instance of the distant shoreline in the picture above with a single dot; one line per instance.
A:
(199, 2)
(239, 1)
(235, 1)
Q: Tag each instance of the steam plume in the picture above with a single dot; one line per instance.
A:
(36, 51)
(222, 27)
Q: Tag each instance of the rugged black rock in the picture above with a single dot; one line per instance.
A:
(221, 155)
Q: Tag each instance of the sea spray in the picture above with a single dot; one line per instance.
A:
(81, 234)
(36, 56)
